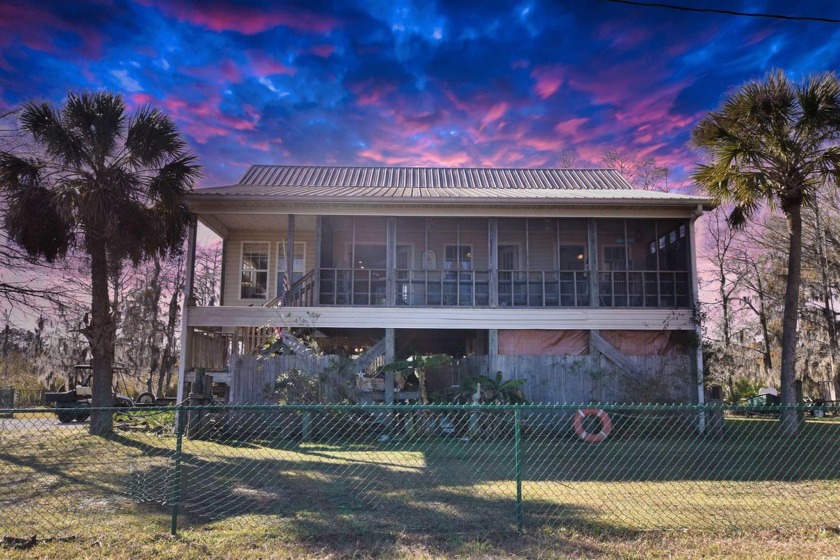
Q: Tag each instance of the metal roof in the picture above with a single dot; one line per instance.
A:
(433, 177)
(429, 184)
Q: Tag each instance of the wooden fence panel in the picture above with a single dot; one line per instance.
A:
(549, 379)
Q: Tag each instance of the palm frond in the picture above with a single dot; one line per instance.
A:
(33, 222)
(152, 138)
(97, 120)
(44, 124)
(175, 179)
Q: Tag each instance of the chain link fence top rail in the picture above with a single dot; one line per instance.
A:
(424, 468)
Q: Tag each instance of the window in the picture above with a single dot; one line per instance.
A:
(458, 257)
(254, 274)
(299, 264)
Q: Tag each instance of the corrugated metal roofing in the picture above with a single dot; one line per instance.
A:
(367, 193)
(433, 177)
(433, 184)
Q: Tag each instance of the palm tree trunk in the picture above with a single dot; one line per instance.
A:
(789, 418)
(100, 334)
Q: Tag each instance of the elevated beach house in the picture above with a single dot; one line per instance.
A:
(569, 278)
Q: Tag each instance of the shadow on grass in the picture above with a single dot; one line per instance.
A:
(380, 491)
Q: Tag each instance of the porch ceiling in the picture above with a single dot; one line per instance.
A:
(277, 222)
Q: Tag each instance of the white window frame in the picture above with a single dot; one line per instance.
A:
(267, 271)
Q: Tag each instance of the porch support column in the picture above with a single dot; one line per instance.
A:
(492, 351)
(222, 272)
(390, 262)
(493, 260)
(698, 353)
(290, 252)
(316, 277)
(185, 358)
(592, 249)
(390, 356)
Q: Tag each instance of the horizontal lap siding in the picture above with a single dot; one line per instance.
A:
(233, 254)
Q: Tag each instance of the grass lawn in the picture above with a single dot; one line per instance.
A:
(641, 493)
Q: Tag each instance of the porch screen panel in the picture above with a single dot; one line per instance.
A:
(673, 248)
(572, 263)
(414, 262)
(472, 265)
(512, 259)
(336, 259)
(643, 275)
(612, 263)
(369, 258)
(442, 241)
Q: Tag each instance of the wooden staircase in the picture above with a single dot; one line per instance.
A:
(299, 294)
(254, 338)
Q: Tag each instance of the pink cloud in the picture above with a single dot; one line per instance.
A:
(495, 113)
(622, 35)
(324, 51)
(35, 28)
(570, 127)
(248, 20)
(265, 65)
(548, 80)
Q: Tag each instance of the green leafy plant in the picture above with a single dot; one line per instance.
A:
(493, 390)
(296, 387)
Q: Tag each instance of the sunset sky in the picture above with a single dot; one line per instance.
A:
(391, 82)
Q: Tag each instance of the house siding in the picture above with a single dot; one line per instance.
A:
(233, 261)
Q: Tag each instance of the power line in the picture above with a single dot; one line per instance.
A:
(724, 12)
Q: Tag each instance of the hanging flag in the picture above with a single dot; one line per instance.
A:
(286, 288)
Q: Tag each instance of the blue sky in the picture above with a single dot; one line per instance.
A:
(392, 82)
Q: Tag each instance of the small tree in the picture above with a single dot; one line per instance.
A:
(108, 182)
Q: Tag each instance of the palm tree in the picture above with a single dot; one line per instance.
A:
(107, 182)
(774, 142)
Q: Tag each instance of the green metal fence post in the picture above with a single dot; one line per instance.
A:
(176, 479)
(517, 452)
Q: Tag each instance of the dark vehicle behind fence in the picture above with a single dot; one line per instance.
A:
(74, 404)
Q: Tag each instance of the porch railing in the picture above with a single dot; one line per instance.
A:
(643, 288)
(516, 288)
(552, 288)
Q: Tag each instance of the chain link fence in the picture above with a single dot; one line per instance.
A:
(425, 468)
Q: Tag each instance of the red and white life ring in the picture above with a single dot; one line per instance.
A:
(606, 424)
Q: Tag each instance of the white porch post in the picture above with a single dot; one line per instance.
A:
(290, 254)
(189, 301)
(592, 252)
(493, 260)
(390, 356)
(695, 296)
